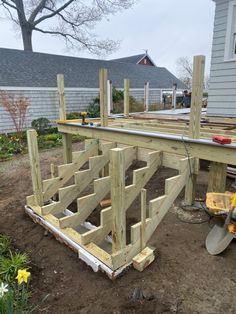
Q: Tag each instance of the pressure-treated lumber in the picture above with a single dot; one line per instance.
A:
(66, 138)
(143, 217)
(143, 259)
(65, 172)
(146, 96)
(126, 98)
(117, 158)
(116, 253)
(194, 126)
(217, 177)
(103, 96)
(202, 149)
(35, 166)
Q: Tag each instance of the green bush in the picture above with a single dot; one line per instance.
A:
(41, 125)
(73, 116)
(93, 110)
(117, 95)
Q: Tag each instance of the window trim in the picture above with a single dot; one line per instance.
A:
(230, 40)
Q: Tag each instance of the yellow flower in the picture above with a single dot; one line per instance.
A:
(22, 276)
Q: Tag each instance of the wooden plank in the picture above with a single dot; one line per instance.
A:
(217, 177)
(66, 138)
(143, 217)
(143, 259)
(126, 98)
(117, 159)
(103, 96)
(126, 255)
(194, 124)
(141, 177)
(61, 94)
(82, 179)
(65, 172)
(202, 149)
(88, 203)
(146, 96)
(35, 166)
(67, 148)
(100, 232)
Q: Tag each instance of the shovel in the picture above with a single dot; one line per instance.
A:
(219, 237)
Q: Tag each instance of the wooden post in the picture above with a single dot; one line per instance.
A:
(195, 121)
(66, 138)
(126, 98)
(217, 177)
(103, 96)
(109, 97)
(35, 166)
(117, 159)
(146, 96)
(143, 217)
(174, 90)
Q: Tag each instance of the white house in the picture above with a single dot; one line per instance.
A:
(222, 92)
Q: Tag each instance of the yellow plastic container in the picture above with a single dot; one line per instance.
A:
(220, 203)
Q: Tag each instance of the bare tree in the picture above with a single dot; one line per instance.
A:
(185, 71)
(73, 20)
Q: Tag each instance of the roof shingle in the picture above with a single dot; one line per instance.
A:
(32, 69)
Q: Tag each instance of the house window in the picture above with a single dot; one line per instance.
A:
(230, 45)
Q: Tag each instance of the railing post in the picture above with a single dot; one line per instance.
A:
(195, 122)
(103, 97)
(66, 138)
(126, 98)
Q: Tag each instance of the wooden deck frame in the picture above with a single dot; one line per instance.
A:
(114, 253)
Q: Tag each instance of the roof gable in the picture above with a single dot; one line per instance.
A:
(137, 59)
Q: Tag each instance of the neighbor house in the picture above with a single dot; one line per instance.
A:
(143, 59)
(222, 91)
(33, 75)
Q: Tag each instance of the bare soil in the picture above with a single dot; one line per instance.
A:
(184, 278)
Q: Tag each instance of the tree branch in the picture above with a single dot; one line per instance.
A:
(9, 4)
(53, 13)
(36, 11)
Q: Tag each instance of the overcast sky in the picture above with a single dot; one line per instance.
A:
(168, 29)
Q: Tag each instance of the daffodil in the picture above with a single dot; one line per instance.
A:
(22, 276)
(3, 289)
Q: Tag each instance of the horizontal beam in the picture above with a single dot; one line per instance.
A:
(199, 148)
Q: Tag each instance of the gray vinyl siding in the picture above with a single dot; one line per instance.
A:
(222, 91)
(44, 103)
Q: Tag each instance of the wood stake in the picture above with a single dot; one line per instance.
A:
(126, 98)
(35, 166)
(117, 158)
(103, 97)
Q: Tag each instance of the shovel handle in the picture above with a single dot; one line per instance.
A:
(229, 216)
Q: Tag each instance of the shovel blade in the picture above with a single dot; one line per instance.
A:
(218, 239)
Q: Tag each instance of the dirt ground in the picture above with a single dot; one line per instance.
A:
(184, 278)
